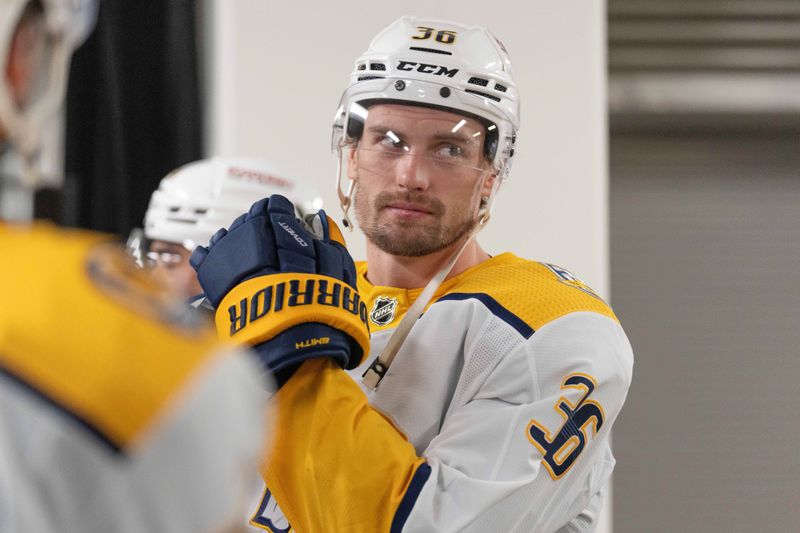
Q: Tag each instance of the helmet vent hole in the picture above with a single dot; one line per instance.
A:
(501, 88)
(377, 66)
(362, 66)
(182, 220)
(174, 209)
(200, 211)
(478, 81)
(479, 93)
(430, 50)
(365, 78)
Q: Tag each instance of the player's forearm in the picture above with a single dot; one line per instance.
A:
(337, 464)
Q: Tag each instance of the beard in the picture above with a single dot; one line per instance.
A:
(411, 238)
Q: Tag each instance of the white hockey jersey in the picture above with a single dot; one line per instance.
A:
(494, 416)
(116, 413)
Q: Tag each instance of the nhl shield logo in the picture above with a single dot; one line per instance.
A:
(383, 311)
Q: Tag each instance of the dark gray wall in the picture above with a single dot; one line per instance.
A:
(705, 264)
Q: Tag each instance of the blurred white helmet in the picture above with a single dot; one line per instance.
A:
(62, 26)
(197, 199)
(434, 63)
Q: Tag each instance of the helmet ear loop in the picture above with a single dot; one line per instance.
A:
(487, 202)
(346, 197)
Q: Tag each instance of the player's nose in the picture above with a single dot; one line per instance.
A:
(413, 171)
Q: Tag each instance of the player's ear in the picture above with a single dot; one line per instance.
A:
(352, 162)
(486, 190)
(26, 52)
(19, 67)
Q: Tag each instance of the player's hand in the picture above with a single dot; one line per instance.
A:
(289, 294)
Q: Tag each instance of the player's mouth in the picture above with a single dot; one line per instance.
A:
(407, 209)
(408, 206)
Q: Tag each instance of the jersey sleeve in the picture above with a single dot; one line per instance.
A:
(337, 464)
(523, 446)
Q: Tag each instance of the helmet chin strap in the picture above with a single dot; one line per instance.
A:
(345, 198)
(377, 370)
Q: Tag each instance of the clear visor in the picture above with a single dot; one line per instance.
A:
(137, 246)
(147, 253)
(168, 259)
(394, 139)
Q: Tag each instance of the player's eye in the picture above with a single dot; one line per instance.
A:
(391, 141)
(450, 151)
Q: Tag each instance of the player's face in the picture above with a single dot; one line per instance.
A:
(169, 264)
(420, 175)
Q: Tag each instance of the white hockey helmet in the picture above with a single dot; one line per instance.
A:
(197, 199)
(65, 24)
(434, 63)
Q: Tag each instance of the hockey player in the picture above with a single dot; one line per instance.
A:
(489, 412)
(117, 412)
(195, 200)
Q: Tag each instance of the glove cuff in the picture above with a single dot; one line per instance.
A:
(260, 308)
(284, 353)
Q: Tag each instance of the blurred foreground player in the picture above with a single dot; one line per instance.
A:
(193, 201)
(118, 413)
(493, 382)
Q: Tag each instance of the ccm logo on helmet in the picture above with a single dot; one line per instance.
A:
(427, 68)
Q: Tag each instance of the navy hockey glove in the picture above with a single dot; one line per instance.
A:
(289, 294)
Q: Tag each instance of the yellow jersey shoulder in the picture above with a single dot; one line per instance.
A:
(535, 293)
(86, 331)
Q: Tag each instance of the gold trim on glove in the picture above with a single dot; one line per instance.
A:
(260, 308)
